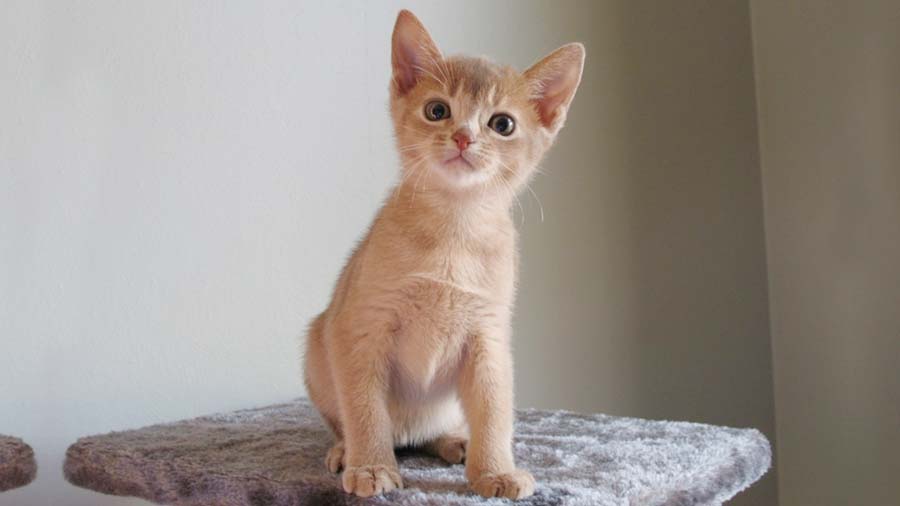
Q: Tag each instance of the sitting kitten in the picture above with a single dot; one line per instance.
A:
(414, 348)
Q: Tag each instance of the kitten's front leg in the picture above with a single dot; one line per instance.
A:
(486, 389)
(360, 364)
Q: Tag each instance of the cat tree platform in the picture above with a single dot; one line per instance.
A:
(17, 465)
(274, 456)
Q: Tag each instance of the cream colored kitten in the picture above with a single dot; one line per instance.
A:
(414, 348)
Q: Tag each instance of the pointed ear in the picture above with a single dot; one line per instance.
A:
(555, 79)
(412, 52)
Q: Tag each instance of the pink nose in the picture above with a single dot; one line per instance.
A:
(462, 139)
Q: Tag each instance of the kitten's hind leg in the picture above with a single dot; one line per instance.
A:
(449, 447)
(334, 461)
(319, 388)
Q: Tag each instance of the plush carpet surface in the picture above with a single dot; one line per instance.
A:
(17, 465)
(275, 456)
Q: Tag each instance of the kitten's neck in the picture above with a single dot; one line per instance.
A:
(457, 210)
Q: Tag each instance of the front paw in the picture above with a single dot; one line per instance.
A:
(366, 481)
(515, 485)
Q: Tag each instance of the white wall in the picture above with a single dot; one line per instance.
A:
(828, 75)
(180, 183)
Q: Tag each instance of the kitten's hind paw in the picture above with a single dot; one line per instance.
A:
(334, 461)
(452, 449)
(515, 485)
(366, 481)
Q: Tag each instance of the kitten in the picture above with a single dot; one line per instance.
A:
(414, 349)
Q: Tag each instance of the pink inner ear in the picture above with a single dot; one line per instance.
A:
(412, 50)
(406, 66)
(557, 89)
(556, 78)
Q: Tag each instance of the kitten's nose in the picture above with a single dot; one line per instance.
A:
(462, 138)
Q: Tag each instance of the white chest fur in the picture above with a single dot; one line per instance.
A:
(435, 321)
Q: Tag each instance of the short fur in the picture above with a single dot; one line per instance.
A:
(414, 348)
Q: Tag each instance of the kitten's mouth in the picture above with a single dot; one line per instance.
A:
(459, 160)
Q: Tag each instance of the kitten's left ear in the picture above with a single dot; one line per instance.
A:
(412, 52)
(555, 79)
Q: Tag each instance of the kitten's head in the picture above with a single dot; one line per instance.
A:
(465, 123)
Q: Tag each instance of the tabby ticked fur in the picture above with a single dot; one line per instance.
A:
(414, 348)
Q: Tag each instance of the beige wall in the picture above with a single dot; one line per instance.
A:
(828, 77)
(644, 290)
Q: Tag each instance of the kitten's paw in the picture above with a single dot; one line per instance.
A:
(334, 461)
(515, 485)
(366, 481)
(451, 449)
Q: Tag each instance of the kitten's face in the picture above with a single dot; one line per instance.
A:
(464, 123)
(468, 123)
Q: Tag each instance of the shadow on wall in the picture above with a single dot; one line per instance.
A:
(690, 160)
(654, 225)
(830, 119)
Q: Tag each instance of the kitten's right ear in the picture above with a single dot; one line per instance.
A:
(413, 53)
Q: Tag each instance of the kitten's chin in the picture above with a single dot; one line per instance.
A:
(459, 174)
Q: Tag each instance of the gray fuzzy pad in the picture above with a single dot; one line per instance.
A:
(17, 465)
(274, 456)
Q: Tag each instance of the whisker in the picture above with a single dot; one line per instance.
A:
(430, 74)
(509, 169)
(528, 187)
(411, 166)
(518, 202)
(416, 186)
(414, 146)
(510, 191)
(439, 64)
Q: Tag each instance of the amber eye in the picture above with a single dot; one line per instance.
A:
(503, 124)
(437, 110)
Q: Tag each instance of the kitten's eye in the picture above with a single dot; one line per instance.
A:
(503, 124)
(437, 110)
